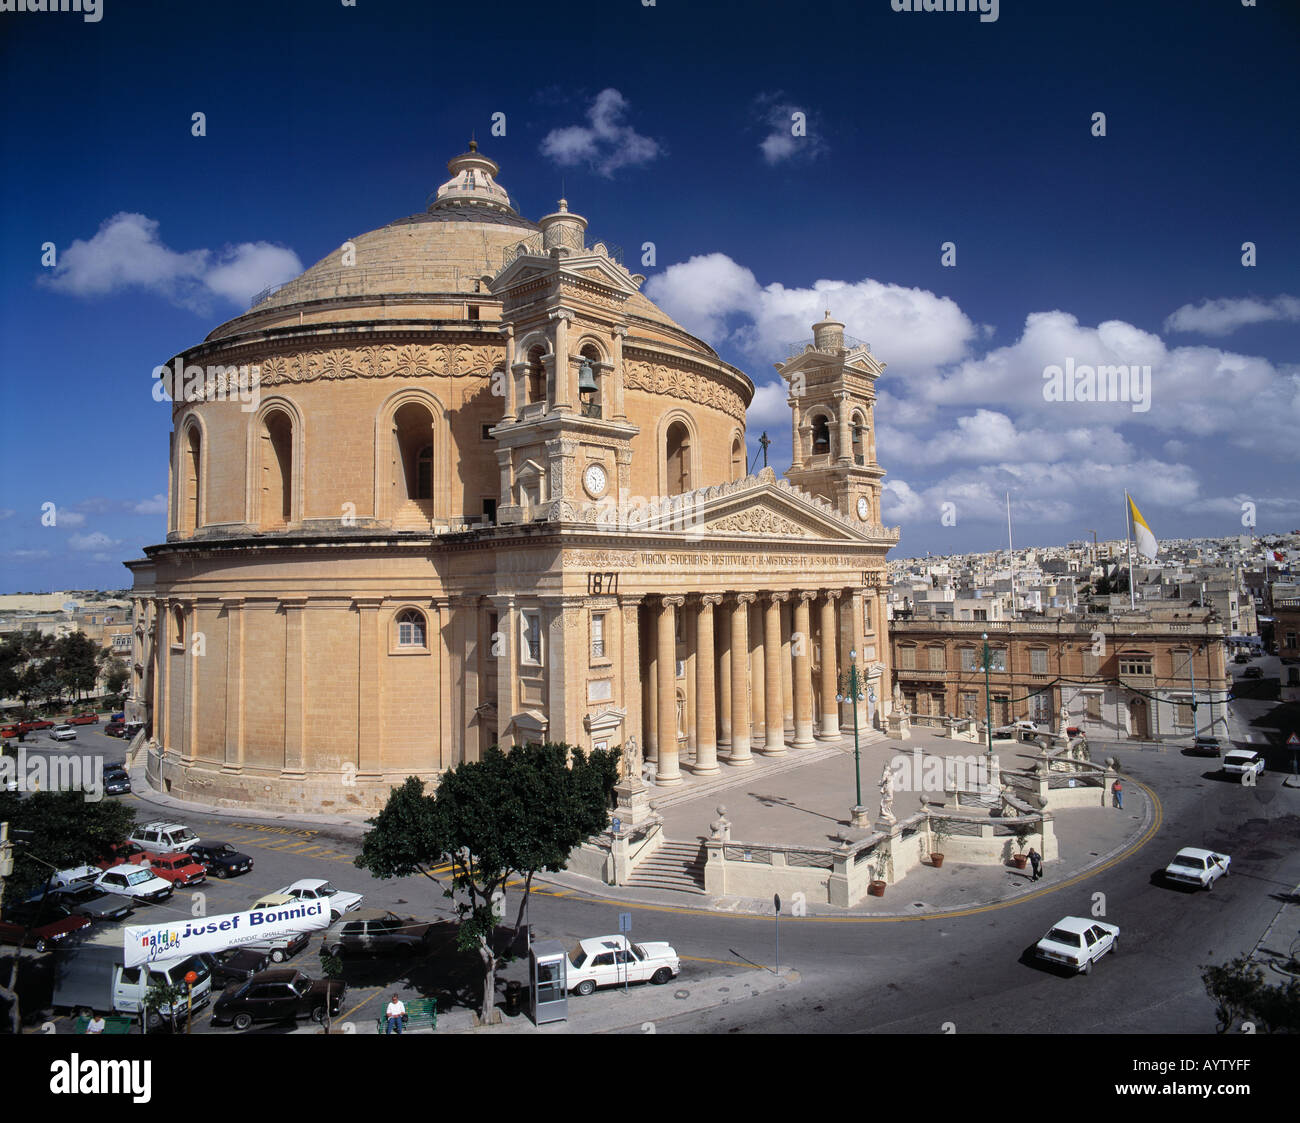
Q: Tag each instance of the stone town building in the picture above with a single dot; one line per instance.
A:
(1119, 676)
(487, 492)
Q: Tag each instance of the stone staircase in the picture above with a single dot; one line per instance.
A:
(675, 865)
(413, 514)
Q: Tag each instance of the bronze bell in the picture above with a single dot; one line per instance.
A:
(586, 379)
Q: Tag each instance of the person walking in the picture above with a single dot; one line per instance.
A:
(1117, 790)
(1036, 862)
(396, 1014)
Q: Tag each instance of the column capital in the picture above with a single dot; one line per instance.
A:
(619, 330)
(672, 601)
(832, 594)
(778, 598)
(560, 314)
(630, 600)
(807, 595)
(745, 598)
(508, 330)
(709, 599)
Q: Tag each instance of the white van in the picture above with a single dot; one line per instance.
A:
(163, 838)
(92, 977)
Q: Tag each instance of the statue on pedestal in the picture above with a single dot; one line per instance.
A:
(887, 796)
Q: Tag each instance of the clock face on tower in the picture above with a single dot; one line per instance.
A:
(593, 479)
(864, 508)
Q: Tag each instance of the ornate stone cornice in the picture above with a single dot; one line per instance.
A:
(390, 360)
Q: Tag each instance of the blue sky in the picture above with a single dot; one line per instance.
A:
(671, 124)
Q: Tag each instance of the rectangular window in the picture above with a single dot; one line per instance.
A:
(1093, 705)
(936, 659)
(494, 645)
(473, 311)
(997, 658)
(489, 510)
(598, 636)
(1290, 639)
(1040, 707)
(968, 659)
(1183, 714)
(533, 636)
(907, 658)
(1135, 665)
(1038, 661)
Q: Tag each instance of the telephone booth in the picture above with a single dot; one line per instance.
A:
(548, 972)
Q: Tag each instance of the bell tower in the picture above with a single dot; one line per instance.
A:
(564, 439)
(832, 397)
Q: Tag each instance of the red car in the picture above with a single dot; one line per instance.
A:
(84, 719)
(124, 852)
(28, 726)
(178, 868)
(41, 936)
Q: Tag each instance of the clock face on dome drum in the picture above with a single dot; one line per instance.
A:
(593, 479)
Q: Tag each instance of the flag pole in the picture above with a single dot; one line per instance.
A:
(1128, 529)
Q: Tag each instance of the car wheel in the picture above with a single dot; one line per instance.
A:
(277, 955)
(318, 1014)
(1114, 945)
(337, 951)
(587, 986)
(242, 1021)
(223, 874)
(154, 1020)
(1209, 884)
(661, 976)
(1086, 969)
(40, 945)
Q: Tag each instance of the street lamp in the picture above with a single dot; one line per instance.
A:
(988, 700)
(856, 695)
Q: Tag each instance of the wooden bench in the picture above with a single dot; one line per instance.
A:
(421, 1013)
(111, 1025)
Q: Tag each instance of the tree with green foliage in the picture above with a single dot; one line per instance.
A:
(65, 831)
(508, 814)
(76, 657)
(1241, 994)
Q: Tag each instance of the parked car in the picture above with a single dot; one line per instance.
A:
(73, 875)
(32, 726)
(277, 995)
(221, 859)
(178, 868)
(121, 852)
(315, 888)
(1241, 657)
(281, 948)
(1253, 672)
(1240, 761)
(138, 882)
(235, 965)
(26, 926)
(1202, 868)
(84, 719)
(163, 837)
(1077, 943)
(115, 729)
(611, 960)
(94, 903)
(116, 781)
(377, 932)
(1205, 745)
(63, 733)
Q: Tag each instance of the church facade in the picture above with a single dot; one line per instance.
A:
(489, 493)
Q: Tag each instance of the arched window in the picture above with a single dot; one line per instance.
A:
(410, 628)
(821, 435)
(178, 625)
(678, 457)
(737, 459)
(859, 430)
(591, 399)
(536, 376)
(191, 466)
(413, 435)
(277, 469)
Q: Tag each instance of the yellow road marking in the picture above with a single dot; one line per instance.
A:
(974, 910)
(724, 962)
(344, 1017)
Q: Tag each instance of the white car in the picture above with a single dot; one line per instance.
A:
(608, 961)
(136, 881)
(63, 733)
(1077, 943)
(315, 889)
(163, 837)
(1240, 761)
(1192, 866)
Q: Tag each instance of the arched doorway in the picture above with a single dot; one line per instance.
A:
(276, 469)
(413, 455)
(191, 464)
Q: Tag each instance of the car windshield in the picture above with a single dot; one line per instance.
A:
(1238, 758)
(1069, 939)
(183, 835)
(193, 963)
(639, 951)
(139, 877)
(325, 890)
(577, 956)
(1190, 862)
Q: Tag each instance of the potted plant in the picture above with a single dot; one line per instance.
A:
(939, 830)
(1024, 832)
(881, 870)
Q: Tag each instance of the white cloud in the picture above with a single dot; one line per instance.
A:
(769, 406)
(64, 517)
(127, 253)
(989, 436)
(1222, 317)
(606, 144)
(26, 555)
(157, 505)
(96, 541)
(781, 143)
(909, 327)
(7, 513)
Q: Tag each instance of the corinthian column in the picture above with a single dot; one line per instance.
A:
(801, 647)
(830, 639)
(706, 720)
(668, 771)
(774, 744)
(740, 754)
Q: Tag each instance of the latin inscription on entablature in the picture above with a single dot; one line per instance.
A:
(630, 559)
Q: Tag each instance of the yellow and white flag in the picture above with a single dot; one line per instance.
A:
(1142, 536)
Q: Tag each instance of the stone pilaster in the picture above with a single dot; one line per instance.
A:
(801, 658)
(740, 742)
(669, 770)
(706, 737)
(830, 730)
(775, 734)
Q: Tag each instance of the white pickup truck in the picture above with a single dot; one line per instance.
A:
(91, 976)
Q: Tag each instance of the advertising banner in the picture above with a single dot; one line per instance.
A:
(147, 943)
